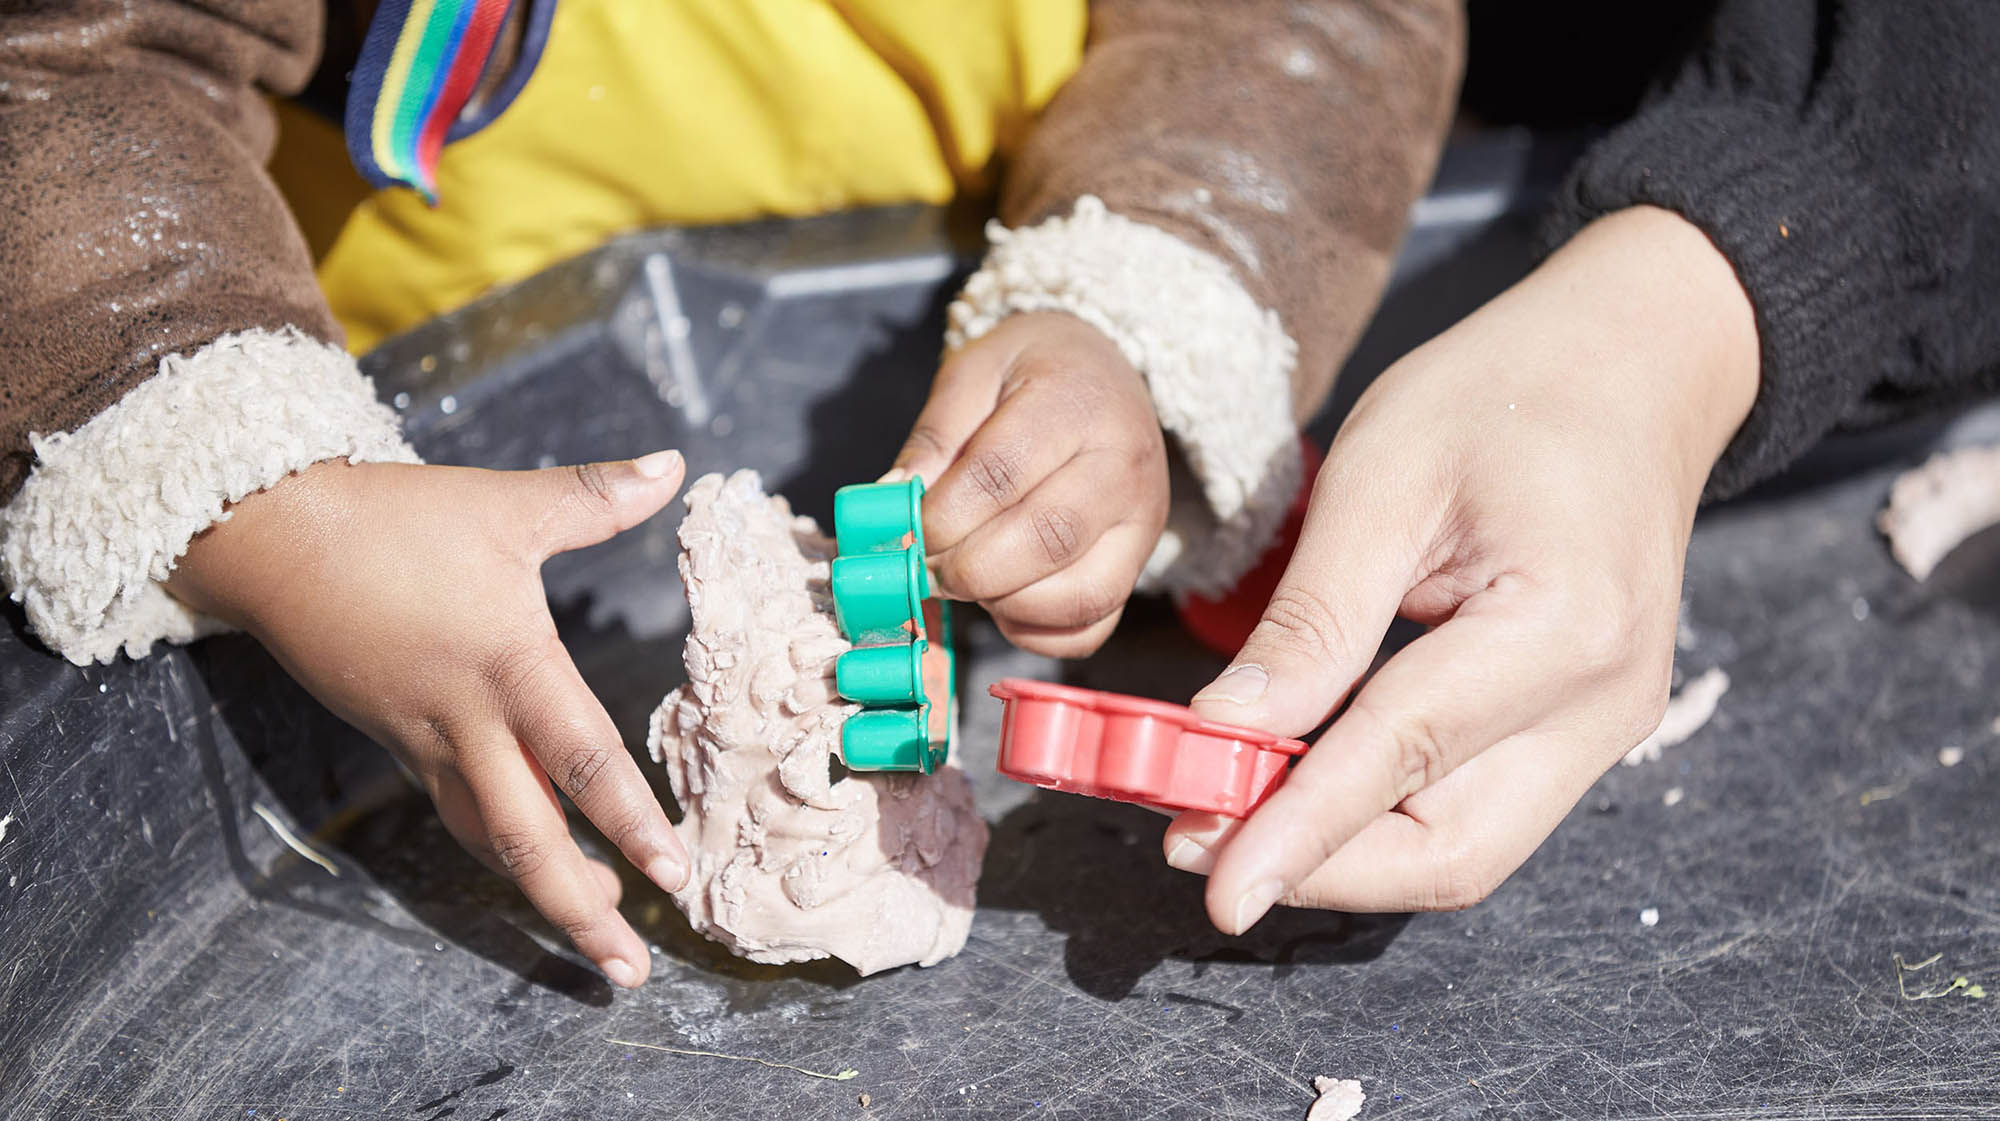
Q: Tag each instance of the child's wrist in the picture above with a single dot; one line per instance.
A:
(231, 569)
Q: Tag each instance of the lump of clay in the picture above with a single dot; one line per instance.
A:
(790, 863)
(1937, 506)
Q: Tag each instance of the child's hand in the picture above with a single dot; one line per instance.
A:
(1047, 480)
(1524, 485)
(409, 600)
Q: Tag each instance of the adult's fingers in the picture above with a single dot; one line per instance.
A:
(564, 508)
(1359, 554)
(1445, 848)
(1452, 845)
(552, 711)
(1496, 667)
(1054, 527)
(524, 825)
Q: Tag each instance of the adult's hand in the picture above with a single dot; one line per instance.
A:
(1524, 486)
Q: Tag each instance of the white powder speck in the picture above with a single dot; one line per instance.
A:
(1649, 917)
(448, 405)
(402, 400)
(1673, 796)
(1950, 756)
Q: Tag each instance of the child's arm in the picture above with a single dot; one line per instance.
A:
(184, 444)
(1800, 231)
(1218, 193)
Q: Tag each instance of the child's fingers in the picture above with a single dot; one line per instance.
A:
(461, 816)
(1092, 589)
(1026, 439)
(1053, 528)
(525, 828)
(962, 397)
(566, 508)
(555, 714)
(1061, 642)
(1480, 677)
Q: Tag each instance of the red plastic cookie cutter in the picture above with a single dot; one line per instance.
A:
(1130, 749)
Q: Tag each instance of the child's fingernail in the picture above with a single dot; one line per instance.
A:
(1242, 685)
(621, 973)
(658, 465)
(894, 475)
(1254, 903)
(1188, 856)
(669, 873)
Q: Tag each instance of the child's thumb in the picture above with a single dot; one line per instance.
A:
(571, 507)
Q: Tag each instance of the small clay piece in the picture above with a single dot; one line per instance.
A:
(1934, 508)
(1340, 1099)
(1687, 712)
(790, 862)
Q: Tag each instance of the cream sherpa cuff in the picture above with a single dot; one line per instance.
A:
(1219, 367)
(109, 508)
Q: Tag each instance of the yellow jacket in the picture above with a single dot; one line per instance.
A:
(646, 113)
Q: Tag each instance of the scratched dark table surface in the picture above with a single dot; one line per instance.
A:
(165, 955)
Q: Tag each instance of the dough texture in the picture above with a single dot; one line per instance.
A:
(1340, 1099)
(791, 864)
(1935, 507)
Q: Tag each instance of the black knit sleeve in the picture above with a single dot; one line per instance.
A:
(1844, 155)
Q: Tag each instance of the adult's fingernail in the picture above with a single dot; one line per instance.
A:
(1189, 856)
(621, 973)
(669, 873)
(1242, 685)
(1254, 903)
(894, 475)
(658, 465)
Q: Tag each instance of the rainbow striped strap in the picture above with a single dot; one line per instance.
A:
(419, 66)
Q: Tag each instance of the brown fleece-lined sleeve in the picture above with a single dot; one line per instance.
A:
(139, 221)
(1286, 137)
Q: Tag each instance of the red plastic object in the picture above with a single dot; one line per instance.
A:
(1130, 749)
(1223, 625)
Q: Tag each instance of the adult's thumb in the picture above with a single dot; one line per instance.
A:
(1322, 627)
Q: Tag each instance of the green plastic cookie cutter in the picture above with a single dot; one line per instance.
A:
(902, 669)
(891, 739)
(882, 675)
(879, 517)
(878, 597)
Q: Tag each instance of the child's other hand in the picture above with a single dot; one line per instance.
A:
(1047, 477)
(409, 600)
(1525, 486)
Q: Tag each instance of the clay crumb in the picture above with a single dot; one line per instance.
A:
(1950, 756)
(1340, 1099)
(1673, 796)
(1935, 507)
(842, 1076)
(1688, 711)
(4, 823)
(863, 1099)
(1649, 917)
